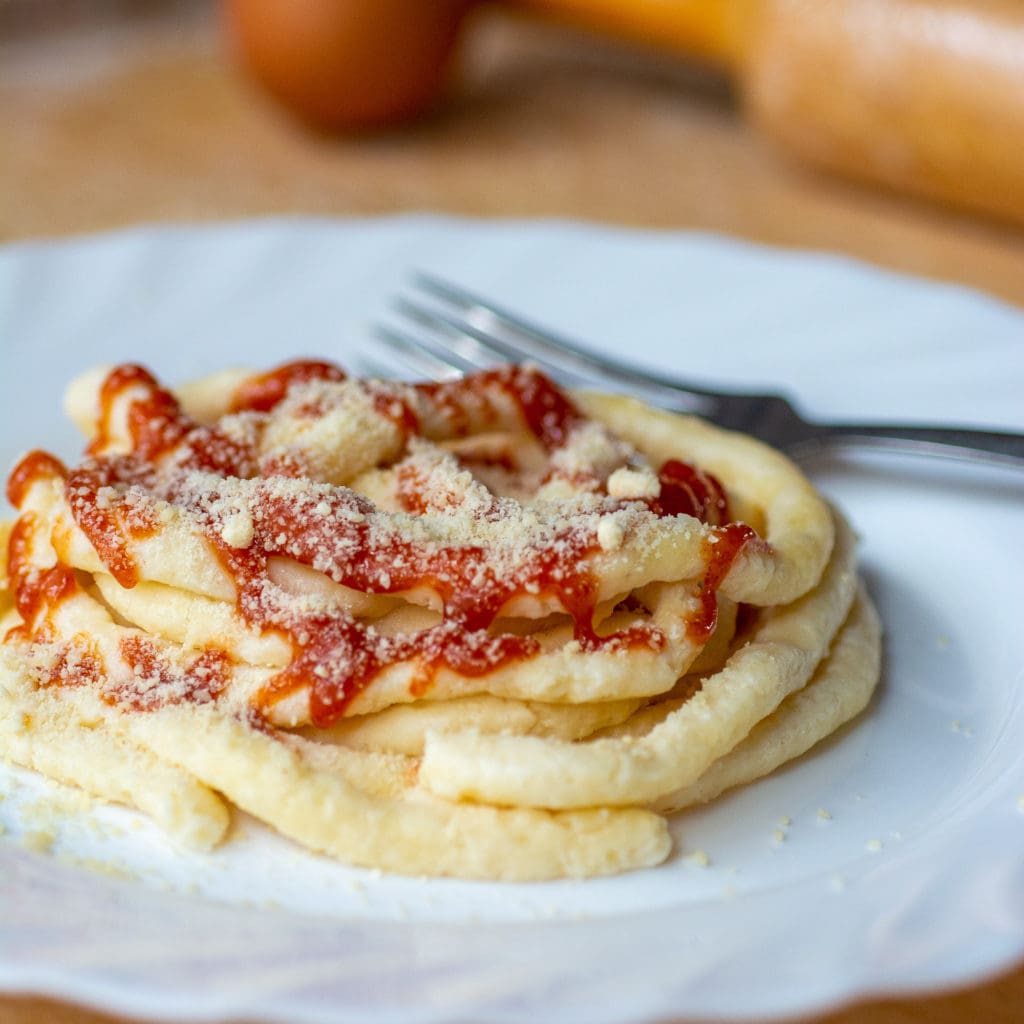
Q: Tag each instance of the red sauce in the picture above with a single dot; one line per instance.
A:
(94, 503)
(141, 521)
(37, 595)
(543, 408)
(285, 465)
(392, 407)
(32, 468)
(77, 664)
(266, 391)
(412, 494)
(155, 682)
(340, 533)
(157, 426)
(462, 411)
(546, 410)
(337, 657)
(690, 491)
(720, 551)
(343, 655)
(416, 494)
(36, 591)
(154, 420)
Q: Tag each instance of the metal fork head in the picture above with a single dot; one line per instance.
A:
(447, 332)
(442, 331)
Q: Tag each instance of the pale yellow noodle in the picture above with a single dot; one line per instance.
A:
(402, 728)
(798, 522)
(553, 766)
(46, 730)
(273, 781)
(784, 650)
(840, 690)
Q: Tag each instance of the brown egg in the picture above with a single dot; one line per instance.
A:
(348, 64)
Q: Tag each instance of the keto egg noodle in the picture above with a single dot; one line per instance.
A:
(485, 628)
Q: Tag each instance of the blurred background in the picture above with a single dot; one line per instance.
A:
(892, 130)
(889, 130)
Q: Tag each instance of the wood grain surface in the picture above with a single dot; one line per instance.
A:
(117, 113)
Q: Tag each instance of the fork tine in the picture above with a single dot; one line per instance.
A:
(368, 366)
(483, 319)
(466, 346)
(415, 355)
(457, 340)
(518, 339)
(459, 357)
(459, 337)
(467, 329)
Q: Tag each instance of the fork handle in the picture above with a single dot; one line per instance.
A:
(954, 442)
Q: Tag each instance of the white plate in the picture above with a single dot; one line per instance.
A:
(916, 881)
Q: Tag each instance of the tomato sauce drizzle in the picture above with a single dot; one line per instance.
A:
(157, 426)
(720, 551)
(29, 470)
(544, 409)
(337, 656)
(154, 682)
(391, 406)
(690, 491)
(341, 534)
(37, 595)
(412, 493)
(99, 516)
(141, 521)
(266, 391)
(36, 591)
(76, 664)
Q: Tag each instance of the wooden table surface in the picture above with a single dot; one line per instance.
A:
(116, 113)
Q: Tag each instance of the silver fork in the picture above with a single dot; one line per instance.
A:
(448, 331)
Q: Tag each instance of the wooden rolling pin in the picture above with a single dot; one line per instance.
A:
(923, 96)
